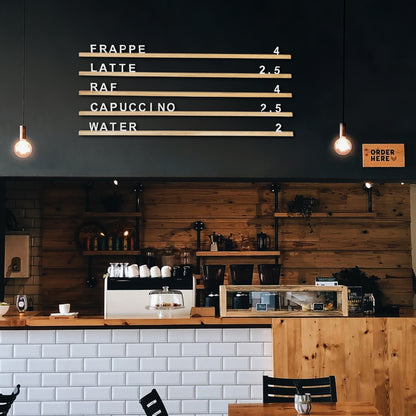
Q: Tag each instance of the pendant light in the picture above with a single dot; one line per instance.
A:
(342, 144)
(23, 147)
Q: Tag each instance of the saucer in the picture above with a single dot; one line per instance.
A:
(65, 314)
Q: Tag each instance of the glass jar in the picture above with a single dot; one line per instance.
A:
(369, 304)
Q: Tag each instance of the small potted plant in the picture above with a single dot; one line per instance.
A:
(303, 401)
(303, 206)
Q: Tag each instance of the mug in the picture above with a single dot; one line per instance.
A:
(154, 271)
(303, 403)
(166, 271)
(144, 271)
(64, 308)
(133, 270)
(113, 270)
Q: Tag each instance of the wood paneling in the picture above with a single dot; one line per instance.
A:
(379, 245)
(372, 358)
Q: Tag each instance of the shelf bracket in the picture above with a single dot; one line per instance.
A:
(138, 190)
(198, 227)
(91, 280)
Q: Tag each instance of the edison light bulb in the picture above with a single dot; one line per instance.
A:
(22, 147)
(343, 144)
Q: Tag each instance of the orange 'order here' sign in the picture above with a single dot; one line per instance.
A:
(383, 155)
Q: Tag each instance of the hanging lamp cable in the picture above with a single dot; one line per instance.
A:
(24, 63)
(343, 63)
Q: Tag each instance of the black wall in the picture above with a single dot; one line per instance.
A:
(379, 99)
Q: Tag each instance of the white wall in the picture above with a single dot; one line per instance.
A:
(106, 371)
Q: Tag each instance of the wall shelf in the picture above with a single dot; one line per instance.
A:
(327, 215)
(111, 253)
(91, 214)
(265, 253)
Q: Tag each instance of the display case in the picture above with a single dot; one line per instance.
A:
(296, 300)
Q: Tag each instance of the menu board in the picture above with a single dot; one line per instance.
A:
(114, 107)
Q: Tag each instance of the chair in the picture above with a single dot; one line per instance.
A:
(6, 400)
(283, 389)
(153, 405)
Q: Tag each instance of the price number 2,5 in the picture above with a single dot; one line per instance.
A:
(277, 108)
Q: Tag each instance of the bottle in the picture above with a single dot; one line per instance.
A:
(369, 304)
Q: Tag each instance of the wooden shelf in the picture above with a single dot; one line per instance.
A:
(265, 253)
(112, 214)
(111, 253)
(327, 215)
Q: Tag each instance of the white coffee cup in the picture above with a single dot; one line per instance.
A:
(64, 308)
(144, 271)
(166, 271)
(155, 271)
(133, 270)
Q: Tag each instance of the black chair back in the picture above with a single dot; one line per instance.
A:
(6, 400)
(152, 404)
(283, 389)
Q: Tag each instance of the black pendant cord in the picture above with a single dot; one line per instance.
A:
(343, 63)
(24, 63)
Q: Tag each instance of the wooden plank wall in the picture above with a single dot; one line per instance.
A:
(379, 245)
(372, 359)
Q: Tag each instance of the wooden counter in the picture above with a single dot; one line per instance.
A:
(372, 359)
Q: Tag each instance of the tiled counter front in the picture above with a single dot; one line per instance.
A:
(105, 371)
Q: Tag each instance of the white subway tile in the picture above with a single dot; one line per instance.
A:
(139, 378)
(83, 408)
(69, 336)
(181, 363)
(208, 392)
(125, 364)
(41, 336)
(6, 351)
(97, 364)
(222, 349)
(27, 351)
(173, 407)
(236, 334)
(219, 406)
(181, 392)
(97, 393)
(125, 393)
(83, 379)
(261, 334)
(27, 379)
(6, 380)
(256, 392)
(84, 350)
(126, 335)
(97, 336)
(13, 337)
(55, 379)
(193, 406)
(112, 350)
(222, 377)
(195, 350)
(55, 351)
(69, 393)
(69, 365)
(167, 378)
(268, 349)
(55, 408)
(250, 349)
(237, 392)
(16, 365)
(208, 335)
(139, 350)
(181, 335)
(250, 377)
(111, 379)
(208, 363)
(41, 365)
(133, 407)
(26, 408)
(40, 394)
(154, 335)
(171, 349)
(153, 364)
(111, 408)
(261, 363)
(195, 378)
(236, 363)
